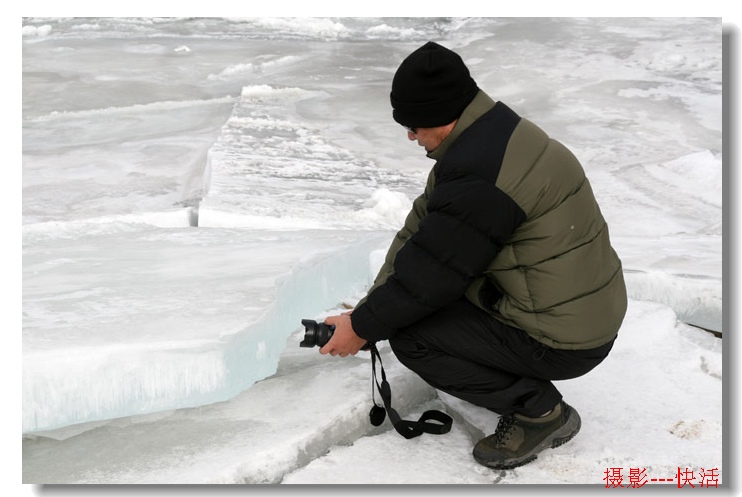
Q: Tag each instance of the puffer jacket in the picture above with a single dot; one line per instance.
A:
(508, 220)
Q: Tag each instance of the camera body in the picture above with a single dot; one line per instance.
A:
(316, 334)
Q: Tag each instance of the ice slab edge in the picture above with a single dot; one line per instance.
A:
(696, 299)
(151, 379)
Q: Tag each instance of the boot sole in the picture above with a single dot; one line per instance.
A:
(554, 440)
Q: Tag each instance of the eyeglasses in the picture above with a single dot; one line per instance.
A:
(411, 130)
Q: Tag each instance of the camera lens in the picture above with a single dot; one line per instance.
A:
(315, 334)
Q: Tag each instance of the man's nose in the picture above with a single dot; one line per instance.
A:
(411, 136)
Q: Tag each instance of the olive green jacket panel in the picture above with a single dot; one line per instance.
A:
(561, 280)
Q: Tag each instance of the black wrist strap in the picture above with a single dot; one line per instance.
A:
(433, 422)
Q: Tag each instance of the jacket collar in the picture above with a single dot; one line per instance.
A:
(479, 106)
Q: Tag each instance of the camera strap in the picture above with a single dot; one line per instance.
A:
(433, 422)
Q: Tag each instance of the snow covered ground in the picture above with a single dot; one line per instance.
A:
(655, 404)
(193, 188)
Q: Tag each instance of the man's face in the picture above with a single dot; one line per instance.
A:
(430, 138)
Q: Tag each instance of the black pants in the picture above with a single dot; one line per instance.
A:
(463, 351)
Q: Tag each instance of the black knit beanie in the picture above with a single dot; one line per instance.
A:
(431, 87)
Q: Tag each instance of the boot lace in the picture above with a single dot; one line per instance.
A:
(504, 429)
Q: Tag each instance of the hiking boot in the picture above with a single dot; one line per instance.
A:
(518, 440)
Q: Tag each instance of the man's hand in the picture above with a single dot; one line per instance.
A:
(344, 340)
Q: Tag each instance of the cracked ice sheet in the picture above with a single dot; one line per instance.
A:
(158, 319)
(661, 414)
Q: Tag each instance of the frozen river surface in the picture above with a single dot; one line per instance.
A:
(192, 188)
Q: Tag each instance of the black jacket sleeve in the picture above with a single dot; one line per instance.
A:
(468, 220)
